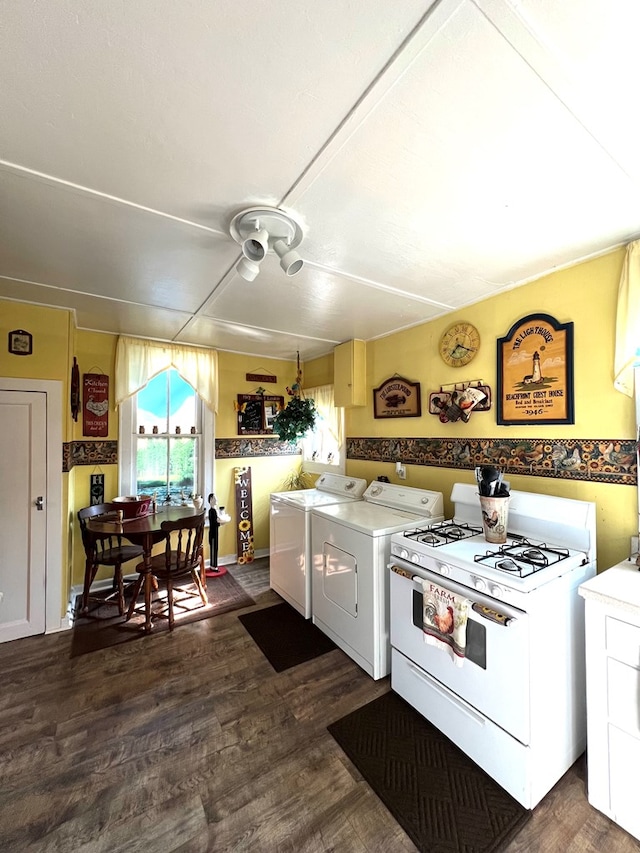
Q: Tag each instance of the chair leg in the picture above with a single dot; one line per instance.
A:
(203, 571)
(90, 571)
(134, 596)
(170, 601)
(201, 588)
(117, 579)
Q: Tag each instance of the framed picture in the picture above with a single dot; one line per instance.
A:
(397, 398)
(535, 372)
(20, 342)
(272, 406)
(256, 413)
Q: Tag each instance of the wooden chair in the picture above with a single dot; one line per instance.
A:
(183, 556)
(104, 549)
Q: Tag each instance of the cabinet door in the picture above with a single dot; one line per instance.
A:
(349, 374)
(624, 754)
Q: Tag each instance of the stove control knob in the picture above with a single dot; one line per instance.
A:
(495, 589)
(403, 553)
(479, 583)
(415, 558)
(444, 569)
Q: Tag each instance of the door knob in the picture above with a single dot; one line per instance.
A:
(40, 503)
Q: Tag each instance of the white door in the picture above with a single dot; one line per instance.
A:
(23, 513)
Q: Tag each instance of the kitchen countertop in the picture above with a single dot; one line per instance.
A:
(619, 585)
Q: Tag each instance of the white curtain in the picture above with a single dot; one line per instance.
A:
(323, 397)
(628, 322)
(138, 361)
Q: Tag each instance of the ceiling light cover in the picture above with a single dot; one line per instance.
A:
(259, 230)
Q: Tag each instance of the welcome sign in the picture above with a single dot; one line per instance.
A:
(244, 515)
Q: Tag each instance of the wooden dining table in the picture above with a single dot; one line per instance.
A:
(145, 531)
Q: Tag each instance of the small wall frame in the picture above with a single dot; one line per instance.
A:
(397, 398)
(20, 342)
(256, 413)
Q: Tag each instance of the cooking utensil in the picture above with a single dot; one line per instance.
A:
(490, 475)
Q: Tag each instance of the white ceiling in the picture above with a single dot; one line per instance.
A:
(435, 153)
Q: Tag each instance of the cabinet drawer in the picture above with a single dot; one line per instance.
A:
(622, 640)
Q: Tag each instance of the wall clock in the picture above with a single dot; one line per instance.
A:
(459, 344)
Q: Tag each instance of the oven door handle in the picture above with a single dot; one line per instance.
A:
(493, 615)
(488, 613)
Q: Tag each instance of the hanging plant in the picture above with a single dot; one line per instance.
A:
(298, 416)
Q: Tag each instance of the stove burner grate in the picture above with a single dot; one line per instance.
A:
(443, 532)
(522, 557)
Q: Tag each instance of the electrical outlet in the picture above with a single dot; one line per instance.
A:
(401, 472)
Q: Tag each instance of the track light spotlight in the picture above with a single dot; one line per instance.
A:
(290, 260)
(247, 269)
(262, 229)
(256, 246)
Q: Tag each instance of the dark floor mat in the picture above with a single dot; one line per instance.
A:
(440, 797)
(285, 637)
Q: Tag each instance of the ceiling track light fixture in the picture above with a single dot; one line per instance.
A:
(259, 230)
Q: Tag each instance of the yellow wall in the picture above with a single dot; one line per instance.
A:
(318, 371)
(95, 353)
(585, 294)
(267, 473)
(51, 330)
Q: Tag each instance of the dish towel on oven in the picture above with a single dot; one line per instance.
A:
(444, 620)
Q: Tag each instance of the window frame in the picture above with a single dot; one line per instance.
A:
(127, 457)
(310, 467)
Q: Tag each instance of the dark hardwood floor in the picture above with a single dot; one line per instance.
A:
(191, 742)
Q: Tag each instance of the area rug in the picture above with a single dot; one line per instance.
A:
(104, 627)
(285, 637)
(443, 800)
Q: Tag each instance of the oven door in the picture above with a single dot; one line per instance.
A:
(494, 676)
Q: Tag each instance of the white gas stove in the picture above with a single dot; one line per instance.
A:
(512, 697)
(547, 537)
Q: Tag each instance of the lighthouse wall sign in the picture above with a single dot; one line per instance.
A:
(535, 372)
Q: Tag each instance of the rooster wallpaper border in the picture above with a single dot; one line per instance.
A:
(607, 460)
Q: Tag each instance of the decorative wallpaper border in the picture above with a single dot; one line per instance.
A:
(601, 460)
(88, 453)
(607, 460)
(106, 452)
(238, 448)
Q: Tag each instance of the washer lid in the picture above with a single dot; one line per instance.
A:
(306, 499)
(371, 519)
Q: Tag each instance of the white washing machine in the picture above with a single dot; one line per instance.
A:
(290, 534)
(351, 549)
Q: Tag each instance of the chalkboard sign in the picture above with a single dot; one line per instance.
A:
(256, 413)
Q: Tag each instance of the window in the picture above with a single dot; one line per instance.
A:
(322, 447)
(166, 439)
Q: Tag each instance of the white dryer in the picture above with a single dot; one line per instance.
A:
(351, 549)
(290, 534)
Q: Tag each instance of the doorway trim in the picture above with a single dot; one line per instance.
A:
(52, 388)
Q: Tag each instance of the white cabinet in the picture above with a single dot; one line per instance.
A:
(612, 624)
(350, 374)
